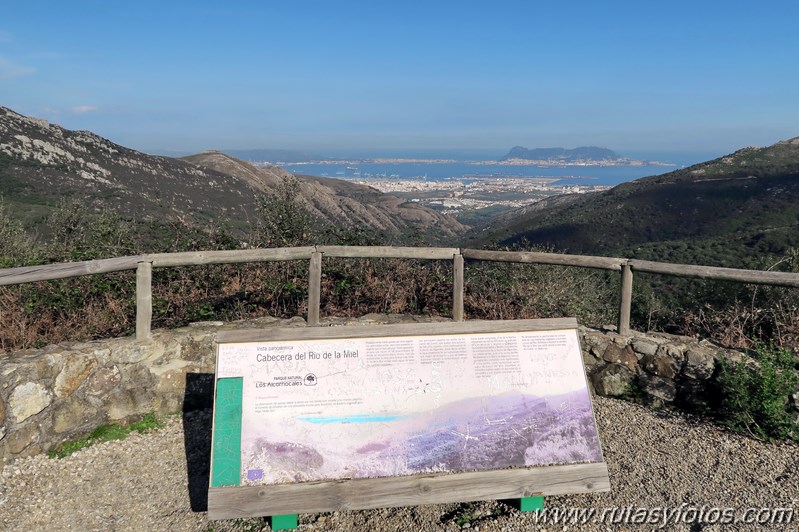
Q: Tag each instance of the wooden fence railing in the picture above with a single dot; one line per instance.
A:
(144, 264)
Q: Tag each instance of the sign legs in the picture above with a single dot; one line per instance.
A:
(531, 504)
(283, 522)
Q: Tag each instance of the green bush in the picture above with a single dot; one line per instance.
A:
(755, 396)
(16, 246)
(283, 220)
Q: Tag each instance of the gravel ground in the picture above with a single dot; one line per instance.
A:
(158, 481)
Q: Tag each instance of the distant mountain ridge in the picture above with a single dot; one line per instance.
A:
(583, 153)
(42, 163)
(717, 212)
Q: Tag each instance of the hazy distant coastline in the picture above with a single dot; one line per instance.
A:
(507, 162)
(517, 156)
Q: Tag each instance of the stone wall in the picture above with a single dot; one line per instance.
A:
(64, 391)
(658, 369)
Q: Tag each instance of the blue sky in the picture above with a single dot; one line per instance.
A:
(700, 76)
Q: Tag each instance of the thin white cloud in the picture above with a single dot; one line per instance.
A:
(10, 70)
(80, 109)
(51, 112)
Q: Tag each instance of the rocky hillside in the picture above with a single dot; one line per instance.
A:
(337, 201)
(41, 163)
(718, 212)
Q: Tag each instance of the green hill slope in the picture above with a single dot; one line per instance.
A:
(719, 212)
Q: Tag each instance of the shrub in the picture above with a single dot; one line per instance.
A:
(730, 314)
(755, 394)
(16, 247)
(524, 291)
(84, 232)
(283, 220)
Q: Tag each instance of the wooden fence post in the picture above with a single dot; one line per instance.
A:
(457, 289)
(626, 299)
(144, 300)
(314, 288)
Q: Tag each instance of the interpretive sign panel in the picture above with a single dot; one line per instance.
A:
(384, 402)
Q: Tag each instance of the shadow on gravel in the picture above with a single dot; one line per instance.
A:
(198, 403)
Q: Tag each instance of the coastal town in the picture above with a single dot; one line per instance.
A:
(455, 195)
(479, 188)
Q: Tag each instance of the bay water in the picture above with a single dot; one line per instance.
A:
(565, 175)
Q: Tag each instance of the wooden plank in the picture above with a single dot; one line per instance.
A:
(457, 288)
(144, 300)
(196, 258)
(64, 270)
(402, 329)
(625, 304)
(314, 288)
(602, 263)
(383, 252)
(364, 494)
(721, 274)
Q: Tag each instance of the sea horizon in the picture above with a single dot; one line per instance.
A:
(443, 171)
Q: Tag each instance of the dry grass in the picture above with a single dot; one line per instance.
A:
(742, 326)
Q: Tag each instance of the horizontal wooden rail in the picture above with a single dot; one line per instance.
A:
(64, 270)
(718, 274)
(144, 264)
(602, 263)
(197, 258)
(387, 252)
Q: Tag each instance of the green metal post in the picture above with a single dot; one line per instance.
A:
(283, 522)
(531, 504)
